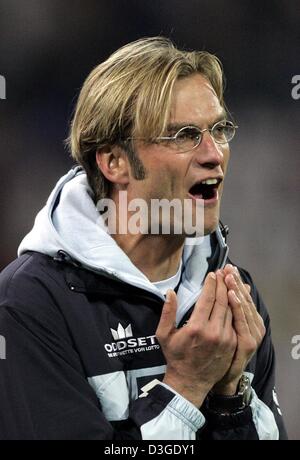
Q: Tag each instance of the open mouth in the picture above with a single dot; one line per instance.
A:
(206, 190)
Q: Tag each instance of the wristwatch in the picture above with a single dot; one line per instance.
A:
(229, 404)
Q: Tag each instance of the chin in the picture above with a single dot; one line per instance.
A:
(211, 223)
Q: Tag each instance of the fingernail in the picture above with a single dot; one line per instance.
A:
(234, 280)
(212, 275)
(235, 295)
(168, 295)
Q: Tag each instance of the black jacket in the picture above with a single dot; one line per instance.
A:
(80, 347)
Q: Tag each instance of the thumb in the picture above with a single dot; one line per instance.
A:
(167, 323)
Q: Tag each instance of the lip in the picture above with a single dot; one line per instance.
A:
(207, 203)
(211, 201)
(219, 178)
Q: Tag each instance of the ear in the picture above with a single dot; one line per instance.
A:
(113, 163)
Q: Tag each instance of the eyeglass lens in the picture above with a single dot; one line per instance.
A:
(190, 137)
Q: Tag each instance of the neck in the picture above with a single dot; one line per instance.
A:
(156, 256)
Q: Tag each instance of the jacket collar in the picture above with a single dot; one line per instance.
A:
(82, 280)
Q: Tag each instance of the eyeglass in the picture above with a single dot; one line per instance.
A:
(189, 137)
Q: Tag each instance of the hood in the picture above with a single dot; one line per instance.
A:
(71, 222)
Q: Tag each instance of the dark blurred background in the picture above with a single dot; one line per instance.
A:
(48, 47)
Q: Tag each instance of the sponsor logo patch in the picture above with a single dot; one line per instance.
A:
(124, 342)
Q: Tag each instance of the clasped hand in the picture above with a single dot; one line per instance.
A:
(212, 350)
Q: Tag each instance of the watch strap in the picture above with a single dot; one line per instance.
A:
(228, 421)
(227, 404)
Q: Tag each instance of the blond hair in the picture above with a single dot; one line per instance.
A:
(129, 94)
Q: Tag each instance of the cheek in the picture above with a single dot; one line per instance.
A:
(165, 178)
(174, 180)
(226, 157)
(158, 184)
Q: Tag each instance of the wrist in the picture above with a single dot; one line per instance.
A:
(193, 392)
(228, 404)
(226, 389)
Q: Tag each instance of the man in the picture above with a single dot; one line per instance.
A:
(138, 334)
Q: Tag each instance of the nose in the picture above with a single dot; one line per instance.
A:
(209, 153)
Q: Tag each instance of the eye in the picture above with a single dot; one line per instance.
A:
(223, 131)
(189, 133)
(221, 127)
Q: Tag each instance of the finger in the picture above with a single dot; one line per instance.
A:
(248, 287)
(239, 318)
(254, 320)
(229, 330)
(167, 323)
(219, 311)
(230, 282)
(231, 270)
(205, 303)
(244, 288)
(249, 306)
(228, 269)
(234, 282)
(250, 303)
(256, 316)
(228, 319)
(255, 325)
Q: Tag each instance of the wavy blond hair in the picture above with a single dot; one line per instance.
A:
(129, 94)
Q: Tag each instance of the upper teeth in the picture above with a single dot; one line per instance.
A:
(210, 181)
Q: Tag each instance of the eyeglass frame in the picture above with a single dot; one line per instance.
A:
(201, 131)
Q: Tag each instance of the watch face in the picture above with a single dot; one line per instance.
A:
(245, 390)
(229, 404)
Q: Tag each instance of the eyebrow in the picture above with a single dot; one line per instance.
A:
(177, 126)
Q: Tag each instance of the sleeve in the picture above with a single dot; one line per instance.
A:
(263, 419)
(176, 419)
(265, 405)
(45, 395)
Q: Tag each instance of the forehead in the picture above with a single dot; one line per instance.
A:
(194, 101)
